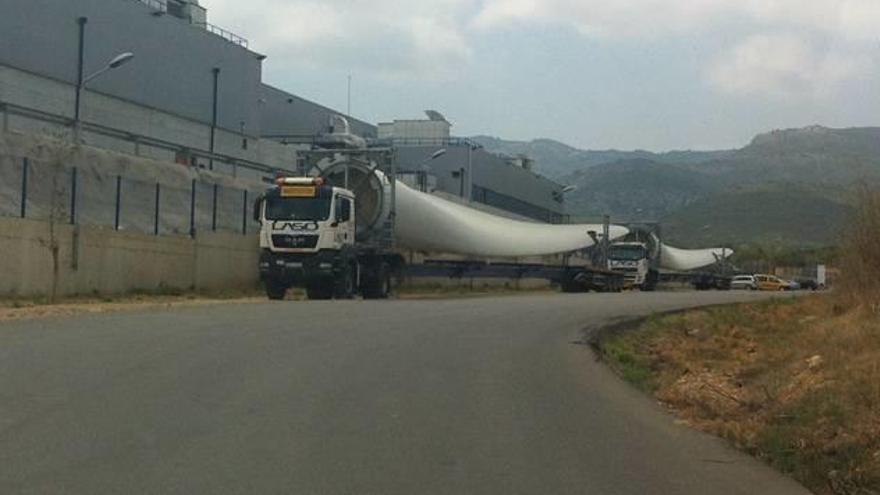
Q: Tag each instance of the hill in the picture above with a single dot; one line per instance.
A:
(556, 160)
(787, 186)
(636, 189)
(780, 217)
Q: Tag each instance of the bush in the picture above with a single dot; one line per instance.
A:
(860, 260)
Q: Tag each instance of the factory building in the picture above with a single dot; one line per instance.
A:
(190, 84)
(193, 93)
(433, 160)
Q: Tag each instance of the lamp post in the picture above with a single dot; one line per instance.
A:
(81, 78)
(422, 169)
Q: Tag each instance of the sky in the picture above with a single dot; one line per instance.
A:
(596, 74)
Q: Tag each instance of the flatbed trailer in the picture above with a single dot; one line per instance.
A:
(569, 278)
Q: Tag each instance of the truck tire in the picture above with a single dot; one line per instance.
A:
(378, 285)
(275, 290)
(345, 285)
(570, 285)
(319, 291)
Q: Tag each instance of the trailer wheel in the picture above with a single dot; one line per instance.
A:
(275, 290)
(319, 291)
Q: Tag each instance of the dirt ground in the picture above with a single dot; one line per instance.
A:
(25, 308)
(29, 308)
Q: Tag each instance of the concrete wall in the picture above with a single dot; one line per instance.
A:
(49, 187)
(107, 261)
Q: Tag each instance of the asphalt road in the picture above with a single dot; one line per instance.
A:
(475, 396)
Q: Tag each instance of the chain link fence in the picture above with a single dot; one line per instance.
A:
(54, 192)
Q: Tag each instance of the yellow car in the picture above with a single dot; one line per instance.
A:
(770, 282)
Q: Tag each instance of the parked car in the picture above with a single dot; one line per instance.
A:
(708, 281)
(744, 282)
(809, 284)
(770, 282)
(793, 284)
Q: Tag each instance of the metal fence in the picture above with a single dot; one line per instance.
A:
(81, 196)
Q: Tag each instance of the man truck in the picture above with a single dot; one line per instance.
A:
(308, 240)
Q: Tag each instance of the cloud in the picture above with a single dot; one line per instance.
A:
(850, 19)
(784, 65)
(391, 38)
(600, 18)
(434, 39)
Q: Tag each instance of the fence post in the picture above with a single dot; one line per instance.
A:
(156, 212)
(192, 209)
(73, 196)
(24, 181)
(118, 201)
(214, 211)
(4, 108)
(244, 213)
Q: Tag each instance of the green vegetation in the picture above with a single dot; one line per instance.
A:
(780, 217)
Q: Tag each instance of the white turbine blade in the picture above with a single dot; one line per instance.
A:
(683, 260)
(429, 223)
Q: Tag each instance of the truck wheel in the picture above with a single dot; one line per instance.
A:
(378, 286)
(345, 285)
(275, 290)
(318, 291)
(385, 286)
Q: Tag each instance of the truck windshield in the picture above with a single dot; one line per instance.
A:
(298, 209)
(627, 253)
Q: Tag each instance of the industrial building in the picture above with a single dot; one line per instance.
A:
(465, 170)
(192, 92)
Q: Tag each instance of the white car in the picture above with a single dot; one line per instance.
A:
(744, 282)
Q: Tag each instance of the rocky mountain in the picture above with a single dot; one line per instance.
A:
(787, 186)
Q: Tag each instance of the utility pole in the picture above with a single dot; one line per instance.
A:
(470, 174)
(348, 108)
(216, 72)
(79, 73)
(606, 233)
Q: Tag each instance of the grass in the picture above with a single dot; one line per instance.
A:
(795, 382)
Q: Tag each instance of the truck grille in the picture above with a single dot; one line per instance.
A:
(284, 241)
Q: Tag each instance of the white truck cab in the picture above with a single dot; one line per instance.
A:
(303, 215)
(634, 261)
(308, 239)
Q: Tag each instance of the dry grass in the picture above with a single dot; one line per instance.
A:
(795, 382)
(860, 262)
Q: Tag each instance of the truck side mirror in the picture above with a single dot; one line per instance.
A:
(258, 205)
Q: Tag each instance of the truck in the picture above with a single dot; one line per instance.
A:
(329, 229)
(637, 257)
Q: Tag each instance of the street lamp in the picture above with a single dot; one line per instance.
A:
(117, 61)
(423, 168)
(81, 80)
